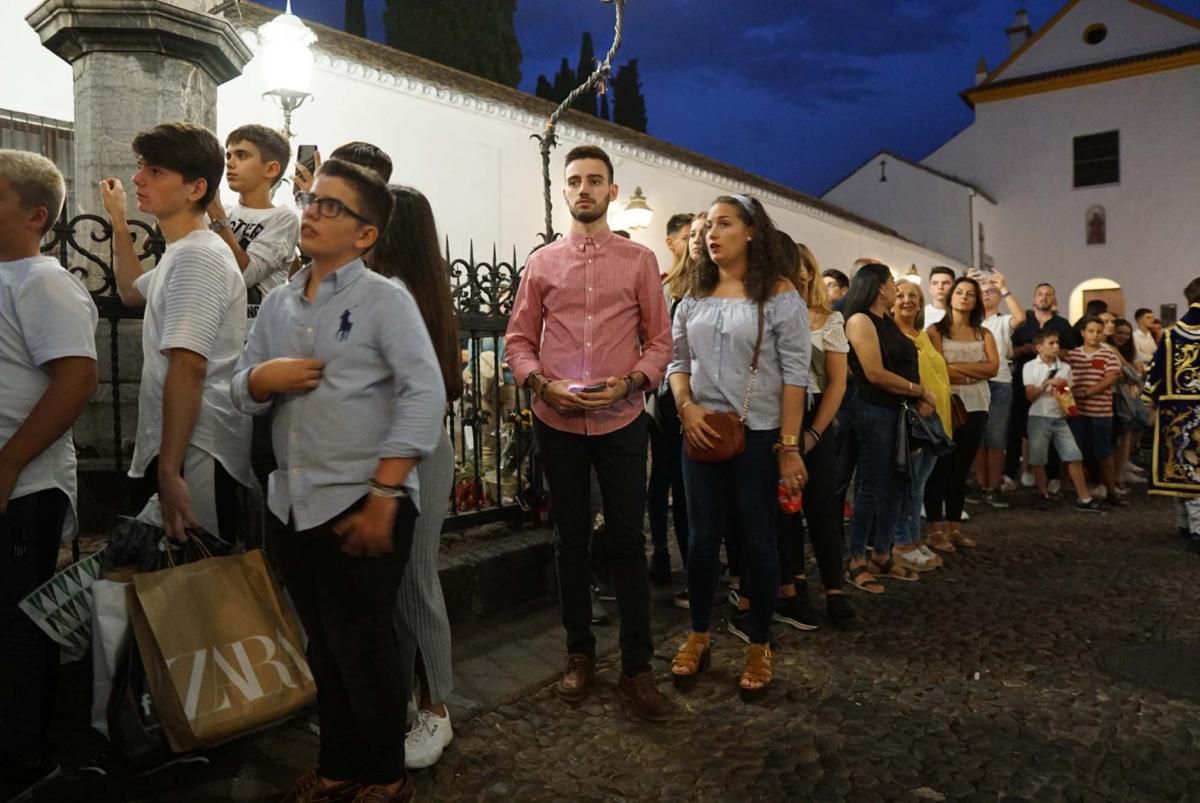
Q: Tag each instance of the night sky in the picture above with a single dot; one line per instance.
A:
(798, 91)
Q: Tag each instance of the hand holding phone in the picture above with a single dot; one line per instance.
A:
(595, 387)
(307, 162)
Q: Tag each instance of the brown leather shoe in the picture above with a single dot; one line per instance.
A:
(576, 680)
(405, 793)
(643, 696)
(309, 789)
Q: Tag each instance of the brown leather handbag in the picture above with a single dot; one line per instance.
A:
(730, 426)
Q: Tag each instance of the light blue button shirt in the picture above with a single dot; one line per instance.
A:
(714, 343)
(381, 393)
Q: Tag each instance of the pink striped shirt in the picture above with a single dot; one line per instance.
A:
(589, 308)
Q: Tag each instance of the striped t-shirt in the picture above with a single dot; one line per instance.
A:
(1089, 368)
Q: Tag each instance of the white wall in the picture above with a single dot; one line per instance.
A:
(476, 163)
(1021, 150)
(1132, 29)
(920, 205)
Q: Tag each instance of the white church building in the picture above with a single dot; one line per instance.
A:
(1081, 168)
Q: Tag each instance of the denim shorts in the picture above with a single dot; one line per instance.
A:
(1044, 430)
(996, 434)
(1094, 434)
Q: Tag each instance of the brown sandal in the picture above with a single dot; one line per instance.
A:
(694, 657)
(958, 539)
(940, 542)
(756, 671)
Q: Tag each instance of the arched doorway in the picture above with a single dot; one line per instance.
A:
(1105, 290)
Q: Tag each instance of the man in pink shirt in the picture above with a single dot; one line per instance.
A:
(589, 333)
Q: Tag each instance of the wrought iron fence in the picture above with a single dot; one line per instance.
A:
(496, 477)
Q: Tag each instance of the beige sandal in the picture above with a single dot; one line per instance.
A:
(694, 657)
(958, 539)
(756, 676)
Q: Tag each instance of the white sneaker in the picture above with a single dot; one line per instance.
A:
(922, 510)
(427, 740)
(1008, 484)
(1135, 468)
(1027, 479)
(927, 552)
(965, 516)
(1099, 492)
(1054, 486)
(1130, 478)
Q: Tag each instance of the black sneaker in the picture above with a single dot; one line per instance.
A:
(681, 600)
(605, 592)
(992, 499)
(841, 613)
(735, 595)
(1090, 506)
(599, 615)
(660, 568)
(1115, 501)
(794, 611)
(19, 782)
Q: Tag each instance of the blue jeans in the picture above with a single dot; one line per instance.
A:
(912, 496)
(999, 412)
(876, 484)
(741, 490)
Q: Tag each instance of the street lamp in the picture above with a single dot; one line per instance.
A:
(637, 212)
(287, 62)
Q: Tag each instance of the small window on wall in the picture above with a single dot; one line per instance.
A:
(1097, 226)
(1098, 159)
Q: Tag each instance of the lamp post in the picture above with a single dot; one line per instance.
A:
(637, 212)
(287, 62)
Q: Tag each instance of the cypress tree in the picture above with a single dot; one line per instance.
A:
(356, 18)
(475, 36)
(587, 58)
(629, 106)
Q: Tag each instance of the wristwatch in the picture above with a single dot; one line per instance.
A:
(218, 225)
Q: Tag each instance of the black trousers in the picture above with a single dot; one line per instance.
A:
(822, 515)
(620, 461)
(30, 532)
(346, 606)
(666, 478)
(946, 489)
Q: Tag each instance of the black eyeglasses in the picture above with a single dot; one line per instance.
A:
(327, 207)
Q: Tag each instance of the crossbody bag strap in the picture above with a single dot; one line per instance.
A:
(753, 366)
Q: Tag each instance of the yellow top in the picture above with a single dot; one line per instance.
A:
(935, 377)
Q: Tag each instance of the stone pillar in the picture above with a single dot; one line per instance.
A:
(136, 63)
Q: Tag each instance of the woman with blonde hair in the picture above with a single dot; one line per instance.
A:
(823, 438)
(909, 313)
(666, 438)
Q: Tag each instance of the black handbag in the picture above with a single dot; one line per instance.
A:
(926, 432)
(902, 459)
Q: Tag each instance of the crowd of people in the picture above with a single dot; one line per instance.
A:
(759, 389)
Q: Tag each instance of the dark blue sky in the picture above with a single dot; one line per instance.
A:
(798, 91)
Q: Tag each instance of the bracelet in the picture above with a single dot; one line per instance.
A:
(779, 448)
(1005, 294)
(628, 385)
(816, 435)
(788, 440)
(387, 491)
(686, 405)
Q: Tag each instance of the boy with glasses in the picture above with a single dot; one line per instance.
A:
(342, 358)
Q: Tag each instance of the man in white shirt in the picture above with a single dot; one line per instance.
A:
(989, 461)
(1143, 338)
(941, 279)
(192, 336)
(48, 365)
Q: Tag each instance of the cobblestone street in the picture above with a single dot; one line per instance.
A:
(983, 681)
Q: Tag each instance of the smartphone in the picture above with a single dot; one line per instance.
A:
(307, 155)
(596, 387)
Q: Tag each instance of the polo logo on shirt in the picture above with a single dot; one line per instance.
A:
(343, 331)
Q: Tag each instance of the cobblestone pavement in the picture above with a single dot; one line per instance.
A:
(980, 682)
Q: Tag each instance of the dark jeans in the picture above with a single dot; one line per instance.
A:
(741, 490)
(947, 486)
(620, 461)
(666, 478)
(30, 532)
(822, 515)
(877, 486)
(346, 604)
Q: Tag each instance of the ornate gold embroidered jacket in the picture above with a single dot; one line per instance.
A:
(1173, 385)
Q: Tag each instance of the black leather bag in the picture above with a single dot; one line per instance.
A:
(902, 459)
(926, 432)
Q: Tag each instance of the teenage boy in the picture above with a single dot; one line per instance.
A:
(363, 154)
(1143, 338)
(679, 227)
(989, 462)
(192, 447)
(837, 285)
(342, 357)
(261, 236)
(589, 332)
(1042, 377)
(48, 361)
(1095, 368)
(941, 279)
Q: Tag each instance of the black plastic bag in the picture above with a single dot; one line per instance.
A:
(136, 543)
(133, 724)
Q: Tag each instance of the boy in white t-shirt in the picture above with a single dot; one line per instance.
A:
(48, 365)
(261, 236)
(1042, 377)
(192, 336)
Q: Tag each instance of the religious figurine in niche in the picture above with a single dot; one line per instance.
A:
(1097, 227)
